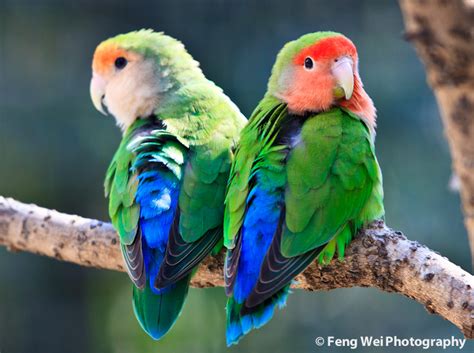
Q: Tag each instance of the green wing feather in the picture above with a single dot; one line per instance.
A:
(203, 189)
(255, 150)
(121, 185)
(331, 178)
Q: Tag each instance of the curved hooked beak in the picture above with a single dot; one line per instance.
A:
(344, 75)
(97, 91)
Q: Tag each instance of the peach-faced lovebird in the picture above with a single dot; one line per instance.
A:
(305, 177)
(166, 183)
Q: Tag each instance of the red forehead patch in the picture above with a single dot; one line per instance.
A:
(104, 57)
(328, 48)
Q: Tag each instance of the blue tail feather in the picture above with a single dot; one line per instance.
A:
(239, 325)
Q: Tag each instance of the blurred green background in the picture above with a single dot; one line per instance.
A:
(54, 150)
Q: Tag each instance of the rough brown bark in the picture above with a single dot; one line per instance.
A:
(443, 34)
(379, 257)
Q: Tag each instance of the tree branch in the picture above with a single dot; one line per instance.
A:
(443, 34)
(379, 257)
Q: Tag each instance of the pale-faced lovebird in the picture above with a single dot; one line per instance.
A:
(166, 183)
(305, 177)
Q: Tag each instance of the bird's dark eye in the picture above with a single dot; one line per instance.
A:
(308, 63)
(120, 62)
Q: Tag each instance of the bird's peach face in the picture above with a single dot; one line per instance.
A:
(319, 76)
(123, 83)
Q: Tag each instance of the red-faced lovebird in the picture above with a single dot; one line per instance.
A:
(166, 183)
(305, 177)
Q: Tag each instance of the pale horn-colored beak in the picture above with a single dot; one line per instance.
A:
(344, 75)
(97, 91)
